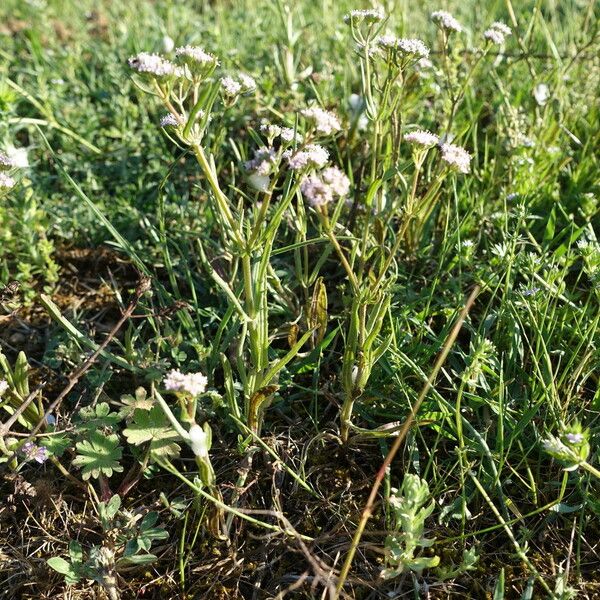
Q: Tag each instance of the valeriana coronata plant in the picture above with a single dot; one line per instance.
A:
(192, 106)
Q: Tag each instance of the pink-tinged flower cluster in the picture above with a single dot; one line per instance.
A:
(191, 383)
(423, 138)
(320, 189)
(273, 131)
(154, 64)
(497, 33)
(263, 161)
(325, 122)
(406, 46)
(456, 157)
(337, 180)
(316, 191)
(233, 87)
(311, 156)
(230, 86)
(446, 21)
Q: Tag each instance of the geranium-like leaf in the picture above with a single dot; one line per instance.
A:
(93, 418)
(152, 426)
(99, 454)
(130, 403)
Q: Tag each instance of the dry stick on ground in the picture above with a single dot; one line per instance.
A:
(368, 510)
(142, 287)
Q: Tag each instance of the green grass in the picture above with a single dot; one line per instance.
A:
(317, 330)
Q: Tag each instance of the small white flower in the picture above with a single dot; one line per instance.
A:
(422, 138)
(574, 438)
(195, 54)
(198, 441)
(168, 44)
(554, 446)
(368, 16)
(230, 86)
(6, 182)
(3, 387)
(325, 122)
(541, 93)
(456, 157)
(168, 121)
(445, 20)
(154, 64)
(191, 383)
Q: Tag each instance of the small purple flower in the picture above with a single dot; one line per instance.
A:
(530, 291)
(574, 438)
(33, 452)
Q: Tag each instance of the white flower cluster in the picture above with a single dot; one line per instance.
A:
(320, 189)
(408, 46)
(233, 87)
(195, 54)
(263, 161)
(154, 64)
(168, 121)
(446, 21)
(3, 387)
(456, 157)
(192, 383)
(312, 155)
(325, 122)
(367, 16)
(6, 181)
(423, 138)
(497, 33)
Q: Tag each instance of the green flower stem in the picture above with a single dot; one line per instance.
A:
(168, 466)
